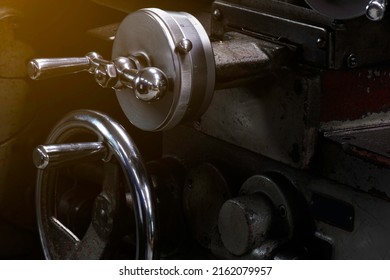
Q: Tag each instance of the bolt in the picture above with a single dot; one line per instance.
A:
(217, 14)
(103, 217)
(321, 43)
(40, 157)
(283, 211)
(375, 10)
(352, 61)
(184, 46)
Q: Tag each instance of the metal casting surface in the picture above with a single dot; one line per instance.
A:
(263, 19)
(57, 240)
(266, 113)
(241, 59)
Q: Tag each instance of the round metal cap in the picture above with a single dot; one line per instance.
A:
(190, 72)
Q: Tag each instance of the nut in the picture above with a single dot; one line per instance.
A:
(106, 75)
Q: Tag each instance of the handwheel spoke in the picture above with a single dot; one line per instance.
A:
(62, 241)
(111, 181)
(91, 247)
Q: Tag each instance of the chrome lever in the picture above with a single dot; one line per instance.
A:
(44, 68)
(148, 84)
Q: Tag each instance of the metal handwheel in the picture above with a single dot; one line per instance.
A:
(114, 144)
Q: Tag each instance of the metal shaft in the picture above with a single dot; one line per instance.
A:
(47, 156)
(44, 68)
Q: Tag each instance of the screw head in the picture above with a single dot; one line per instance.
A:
(217, 14)
(352, 61)
(40, 157)
(321, 43)
(184, 46)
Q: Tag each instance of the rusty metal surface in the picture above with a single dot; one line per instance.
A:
(355, 112)
(355, 94)
(241, 59)
(372, 140)
(278, 117)
(325, 43)
(279, 22)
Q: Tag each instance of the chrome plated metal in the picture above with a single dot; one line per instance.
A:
(184, 46)
(375, 10)
(148, 84)
(47, 156)
(191, 76)
(106, 75)
(43, 68)
(57, 240)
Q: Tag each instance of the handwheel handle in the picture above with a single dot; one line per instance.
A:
(148, 84)
(114, 138)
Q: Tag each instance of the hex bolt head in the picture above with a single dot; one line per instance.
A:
(352, 61)
(106, 75)
(150, 84)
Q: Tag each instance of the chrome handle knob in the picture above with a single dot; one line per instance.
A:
(43, 68)
(149, 84)
(375, 10)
